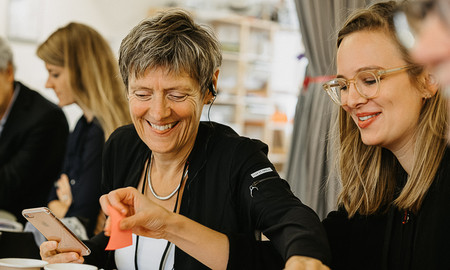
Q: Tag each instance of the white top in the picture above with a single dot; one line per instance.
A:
(149, 254)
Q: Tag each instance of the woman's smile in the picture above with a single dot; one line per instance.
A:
(163, 127)
(365, 119)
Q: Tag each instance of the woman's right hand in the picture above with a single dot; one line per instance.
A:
(143, 216)
(49, 254)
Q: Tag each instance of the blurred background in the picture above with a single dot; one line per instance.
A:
(263, 65)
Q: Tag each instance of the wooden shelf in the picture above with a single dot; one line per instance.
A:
(245, 100)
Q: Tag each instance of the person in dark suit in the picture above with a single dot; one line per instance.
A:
(33, 138)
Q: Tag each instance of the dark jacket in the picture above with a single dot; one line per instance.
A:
(232, 188)
(32, 147)
(83, 166)
(396, 239)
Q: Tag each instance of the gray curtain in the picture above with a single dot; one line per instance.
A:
(308, 165)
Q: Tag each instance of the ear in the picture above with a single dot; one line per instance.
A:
(209, 97)
(10, 73)
(215, 78)
(430, 84)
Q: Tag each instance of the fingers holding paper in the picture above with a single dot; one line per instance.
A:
(142, 216)
(146, 218)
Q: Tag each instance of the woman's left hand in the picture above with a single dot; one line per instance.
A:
(143, 216)
(304, 263)
(64, 191)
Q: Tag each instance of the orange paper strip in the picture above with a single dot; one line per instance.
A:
(118, 238)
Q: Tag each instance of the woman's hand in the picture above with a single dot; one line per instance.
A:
(143, 216)
(49, 254)
(64, 191)
(146, 218)
(304, 263)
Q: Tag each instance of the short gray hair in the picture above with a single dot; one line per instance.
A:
(172, 40)
(6, 55)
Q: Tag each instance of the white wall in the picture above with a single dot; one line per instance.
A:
(113, 19)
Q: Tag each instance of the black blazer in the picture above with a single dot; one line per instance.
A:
(32, 147)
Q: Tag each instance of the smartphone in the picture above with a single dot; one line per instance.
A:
(54, 230)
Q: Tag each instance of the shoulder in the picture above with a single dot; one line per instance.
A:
(227, 152)
(124, 139)
(95, 130)
(124, 133)
(31, 110)
(88, 134)
(124, 156)
(224, 138)
(33, 103)
(437, 193)
(443, 171)
(35, 100)
(445, 163)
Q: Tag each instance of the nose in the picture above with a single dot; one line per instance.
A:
(159, 108)
(352, 98)
(48, 83)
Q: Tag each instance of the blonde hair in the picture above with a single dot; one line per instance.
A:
(93, 72)
(369, 173)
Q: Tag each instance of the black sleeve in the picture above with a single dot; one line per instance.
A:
(245, 253)
(98, 256)
(292, 227)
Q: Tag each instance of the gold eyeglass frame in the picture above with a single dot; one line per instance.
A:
(377, 73)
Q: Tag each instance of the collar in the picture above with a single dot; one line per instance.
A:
(11, 103)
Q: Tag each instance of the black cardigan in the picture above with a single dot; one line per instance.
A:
(382, 241)
(222, 194)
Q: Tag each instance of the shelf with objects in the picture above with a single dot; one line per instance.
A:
(243, 79)
(246, 99)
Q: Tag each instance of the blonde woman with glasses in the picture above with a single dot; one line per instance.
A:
(392, 159)
(84, 71)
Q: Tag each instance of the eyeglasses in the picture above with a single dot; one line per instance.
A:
(367, 83)
(411, 14)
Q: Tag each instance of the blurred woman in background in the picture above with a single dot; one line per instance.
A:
(83, 70)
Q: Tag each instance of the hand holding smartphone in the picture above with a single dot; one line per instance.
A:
(54, 230)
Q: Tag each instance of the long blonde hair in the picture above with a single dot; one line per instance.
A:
(368, 173)
(93, 72)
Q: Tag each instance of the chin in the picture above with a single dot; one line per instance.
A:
(370, 142)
